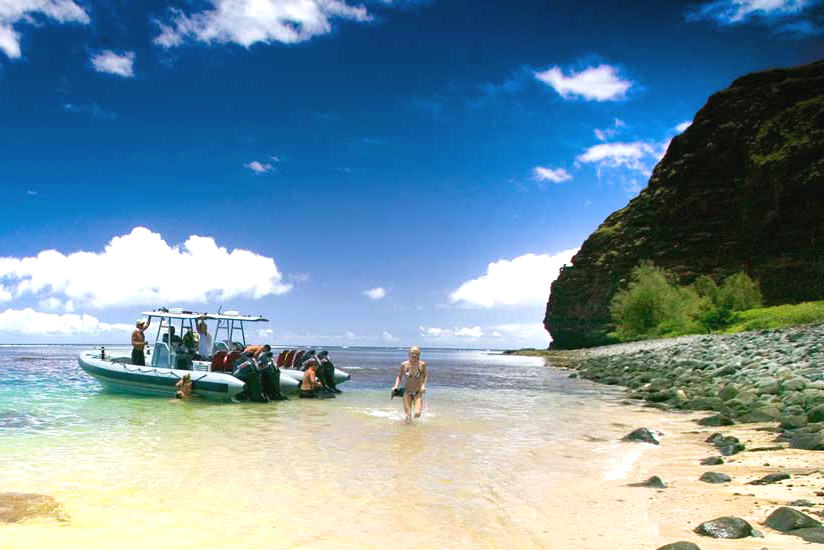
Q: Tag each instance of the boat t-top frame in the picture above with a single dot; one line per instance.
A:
(229, 323)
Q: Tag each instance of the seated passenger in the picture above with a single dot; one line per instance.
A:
(189, 342)
(256, 351)
(311, 387)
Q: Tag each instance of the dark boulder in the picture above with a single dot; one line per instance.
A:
(680, 545)
(714, 477)
(641, 434)
(807, 441)
(770, 478)
(716, 420)
(16, 507)
(654, 482)
(810, 534)
(786, 519)
(712, 461)
(726, 527)
(816, 414)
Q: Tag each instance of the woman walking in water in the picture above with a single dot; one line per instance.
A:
(414, 370)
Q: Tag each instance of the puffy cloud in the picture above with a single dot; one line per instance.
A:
(601, 83)
(520, 332)
(522, 281)
(246, 22)
(197, 271)
(542, 173)
(637, 155)
(388, 337)
(265, 333)
(731, 12)
(472, 333)
(259, 167)
(377, 293)
(113, 63)
(683, 126)
(30, 11)
(30, 322)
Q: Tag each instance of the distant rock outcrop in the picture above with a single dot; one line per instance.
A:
(741, 189)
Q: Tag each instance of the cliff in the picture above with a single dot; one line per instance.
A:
(740, 189)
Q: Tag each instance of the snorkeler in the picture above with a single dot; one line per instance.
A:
(414, 370)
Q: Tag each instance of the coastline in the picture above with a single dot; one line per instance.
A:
(779, 389)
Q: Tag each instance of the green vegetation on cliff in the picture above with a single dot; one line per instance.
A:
(653, 305)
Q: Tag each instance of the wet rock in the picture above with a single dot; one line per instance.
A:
(714, 477)
(726, 527)
(816, 414)
(807, 441)
(704, 404)
(716, 420)
(794, 384)
(642, 435)
(793, 422)
(680, 545)
(810, 534)
(654, 482)
(712, 461)
(727, 392)
(801, 503)
(786, 519)
(770, 478)
(16, 507)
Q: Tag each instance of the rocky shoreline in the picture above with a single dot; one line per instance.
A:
(764, 392)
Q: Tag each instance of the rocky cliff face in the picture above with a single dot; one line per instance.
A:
(740, 189)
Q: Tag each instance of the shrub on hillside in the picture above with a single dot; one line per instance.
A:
(652, 305)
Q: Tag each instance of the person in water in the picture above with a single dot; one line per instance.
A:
(414, 370)
(184, 387)
(139, 342)
(204, 341)
(311, 387)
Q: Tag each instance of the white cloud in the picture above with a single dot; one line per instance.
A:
(601, 83)
(13, 12)
(258, 167)
(388, 337)
(31, 322)
(197, 271)
(683, 126)
(246, 22)
(265, 333)
(604, 134)
(471, 333)
(113, 63)
(542, 173)
(5, 295)
(731, 12)
(515, 332)
(637, 155)
(522, 281)
(377, 293)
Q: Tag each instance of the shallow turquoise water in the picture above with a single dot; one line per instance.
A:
(498, 432)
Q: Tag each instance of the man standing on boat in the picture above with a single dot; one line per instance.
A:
(139, 342)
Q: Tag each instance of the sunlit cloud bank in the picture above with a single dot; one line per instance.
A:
(522, 281)
(198, 271)
(34, 323)
(247, 22)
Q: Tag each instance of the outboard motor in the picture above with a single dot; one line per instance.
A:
(270, 378)
(248, 372)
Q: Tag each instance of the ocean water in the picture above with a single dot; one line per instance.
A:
(509, 452)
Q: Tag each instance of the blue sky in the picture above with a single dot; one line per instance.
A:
(384, 173)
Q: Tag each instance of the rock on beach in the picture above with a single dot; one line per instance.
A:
(726, 527)
(17, 507)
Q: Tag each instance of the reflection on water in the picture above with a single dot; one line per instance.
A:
(505, 449)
